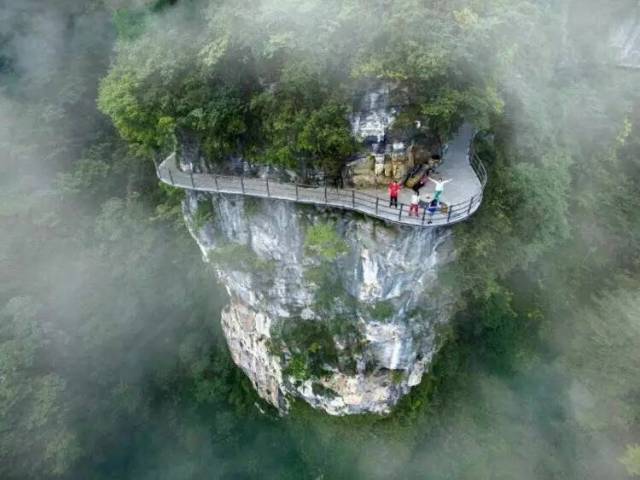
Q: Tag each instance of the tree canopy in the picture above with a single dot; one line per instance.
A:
(275, 81)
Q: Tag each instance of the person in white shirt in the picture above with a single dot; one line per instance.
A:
(415, 202)
(439, 186)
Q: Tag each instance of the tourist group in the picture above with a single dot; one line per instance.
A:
(430, 204)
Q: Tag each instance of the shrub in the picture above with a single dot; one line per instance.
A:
(203, 215)
(312, 346)
(323, 240)
(381, 311)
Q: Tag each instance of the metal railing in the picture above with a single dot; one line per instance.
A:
(348, 199)
(478, 168)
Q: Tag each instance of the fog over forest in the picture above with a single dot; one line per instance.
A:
(113, 364)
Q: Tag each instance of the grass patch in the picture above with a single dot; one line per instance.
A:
(203, 214)
(382, 311)
(397, 376)
(323, 240)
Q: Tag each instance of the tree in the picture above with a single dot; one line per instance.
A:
(35, 439)
(631, 460)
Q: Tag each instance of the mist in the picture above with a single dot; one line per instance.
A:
(112, 361)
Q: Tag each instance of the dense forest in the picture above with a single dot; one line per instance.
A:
(112, 364)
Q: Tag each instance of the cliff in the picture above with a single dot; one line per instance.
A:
(330, 307)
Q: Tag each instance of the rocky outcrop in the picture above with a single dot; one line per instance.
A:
(333, 308)
(392, 152)
(374, 115)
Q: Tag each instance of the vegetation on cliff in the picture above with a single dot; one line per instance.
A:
(275, 82)
(111, 365)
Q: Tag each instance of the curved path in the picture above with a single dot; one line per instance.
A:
(463, 194)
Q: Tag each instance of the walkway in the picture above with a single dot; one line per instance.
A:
(465, 181)
(463, 195)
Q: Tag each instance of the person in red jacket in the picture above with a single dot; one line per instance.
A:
(394, 190)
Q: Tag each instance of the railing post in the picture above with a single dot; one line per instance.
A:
(449, 216)
(193, 185)
(377, 202)
(215, 180)
(171, 177)
(242, 183)
(470, 205)
(353, 198)
(325, 191)
(296, 190)
(400, 212)
(268, 193)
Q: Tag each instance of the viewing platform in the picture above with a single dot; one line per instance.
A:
(461, 198)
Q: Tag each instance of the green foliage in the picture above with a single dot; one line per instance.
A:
(203, 215)
(298, 368)
(312, 346)
(86, 176)
(169, 207)
(323, 240)
(264, 83)
(119, 100)
(450, 108)
(31, 398)
(631, 460)
(302, 124)
(130, 24)
(604, 356)
(382, 311)
(326, 138)
(397, 376)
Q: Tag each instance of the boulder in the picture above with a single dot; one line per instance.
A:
(364, 181)
(388, 169)
(400, 171)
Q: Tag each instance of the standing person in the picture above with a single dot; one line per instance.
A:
(394, 190)
(419, 184)
(439, 186)
(415, 202)
(433, 208)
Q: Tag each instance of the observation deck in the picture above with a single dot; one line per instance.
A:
(462, 196)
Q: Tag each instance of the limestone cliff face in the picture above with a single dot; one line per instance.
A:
(348, 330)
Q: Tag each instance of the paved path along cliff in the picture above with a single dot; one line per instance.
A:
(463, 195)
